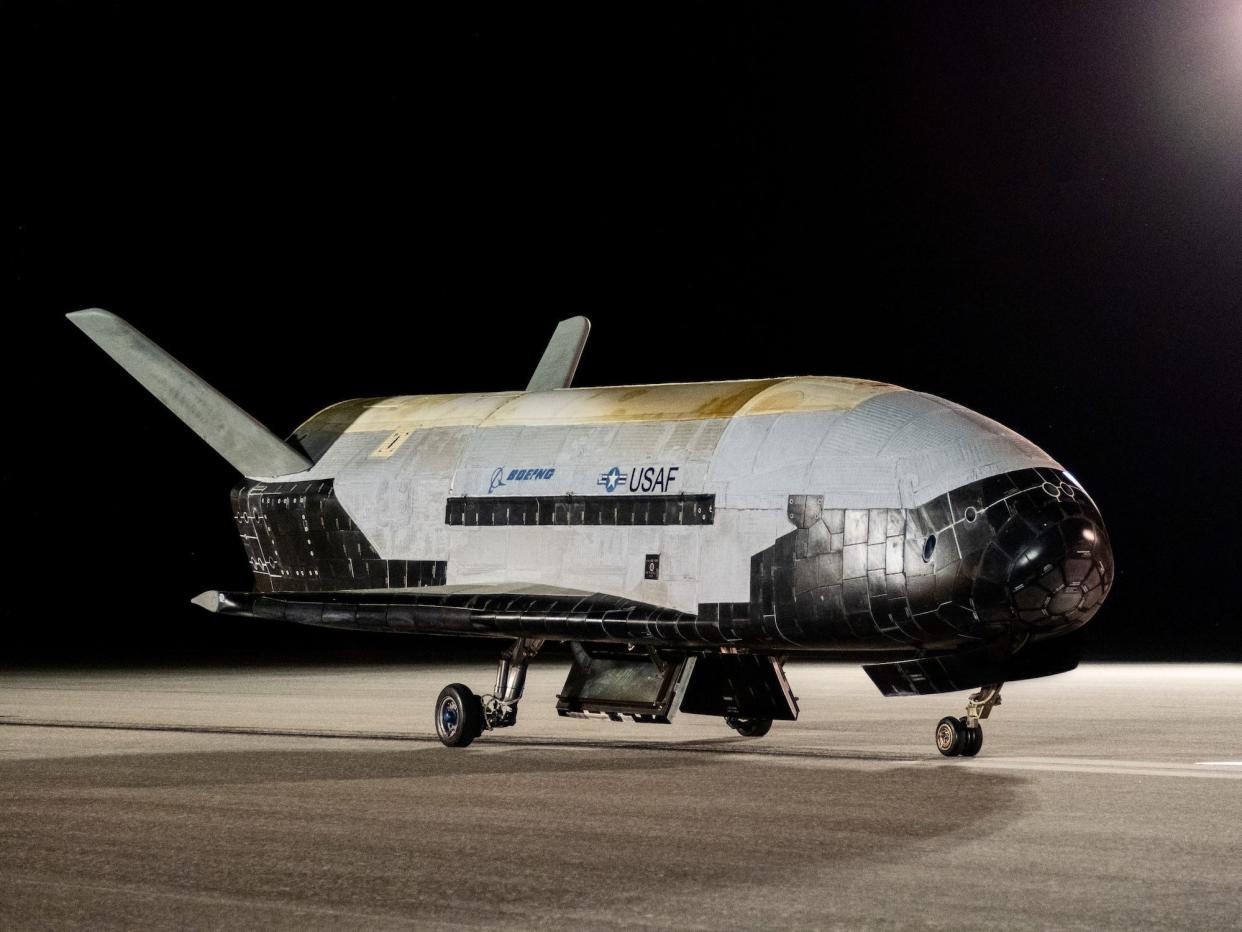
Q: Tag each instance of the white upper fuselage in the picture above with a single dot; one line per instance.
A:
(751, 444)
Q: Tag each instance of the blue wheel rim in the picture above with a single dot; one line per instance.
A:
(449, 716)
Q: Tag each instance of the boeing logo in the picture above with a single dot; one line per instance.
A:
(517, 475)
(639, 479)
(498, 479)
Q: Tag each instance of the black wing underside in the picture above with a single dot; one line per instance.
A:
(518, 611)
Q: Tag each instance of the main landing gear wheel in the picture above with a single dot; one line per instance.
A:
(749, 727)
(459, 716)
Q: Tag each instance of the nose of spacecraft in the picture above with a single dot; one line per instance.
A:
(1050, 565)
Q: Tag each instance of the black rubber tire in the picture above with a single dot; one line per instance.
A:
(950, 736)
(458, 716)
(974, 741)
(749, 727)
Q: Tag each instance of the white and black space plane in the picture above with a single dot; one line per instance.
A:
(685, 540)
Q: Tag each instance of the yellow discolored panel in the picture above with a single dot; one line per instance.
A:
(812, 393)
(674, 402)
(414, 412)
(689, 401)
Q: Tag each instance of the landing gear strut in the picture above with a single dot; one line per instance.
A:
(964, 735)
(461, 716)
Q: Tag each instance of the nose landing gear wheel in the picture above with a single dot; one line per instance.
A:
(459, 716)
(964, 735)
(974, 741)
(950, 737)
(749, 727)
(954, 737)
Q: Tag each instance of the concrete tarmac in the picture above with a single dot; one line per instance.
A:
(1109, 797)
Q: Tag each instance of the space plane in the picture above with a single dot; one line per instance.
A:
(685, 540)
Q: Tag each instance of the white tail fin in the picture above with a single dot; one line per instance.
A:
(560, 360)
(250, 447)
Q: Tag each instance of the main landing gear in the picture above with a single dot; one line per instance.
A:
(964, 736)
(461, 716)
(749, 727)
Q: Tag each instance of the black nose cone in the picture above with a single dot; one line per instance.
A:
(1054, 556)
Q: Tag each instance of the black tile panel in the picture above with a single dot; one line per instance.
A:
(579, 510)
(805, 510)
(298, 537)
(860, 578)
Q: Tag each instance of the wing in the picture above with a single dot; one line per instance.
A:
(513, 610)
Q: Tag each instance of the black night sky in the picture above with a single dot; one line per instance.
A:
(1032, 209)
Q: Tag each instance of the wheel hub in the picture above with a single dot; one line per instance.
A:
(945, 736)
(450, 716)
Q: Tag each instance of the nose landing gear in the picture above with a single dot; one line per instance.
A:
(964, 736)
(461, 716)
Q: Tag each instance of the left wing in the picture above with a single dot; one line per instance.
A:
(513, 610)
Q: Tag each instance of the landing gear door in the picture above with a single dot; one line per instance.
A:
(620, 683)
(740, 686)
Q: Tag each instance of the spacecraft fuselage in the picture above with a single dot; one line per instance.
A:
(821, 513)
(684, 539)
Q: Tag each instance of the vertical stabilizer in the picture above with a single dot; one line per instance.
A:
(560, 360)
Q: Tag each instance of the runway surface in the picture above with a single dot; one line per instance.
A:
(318, 798)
